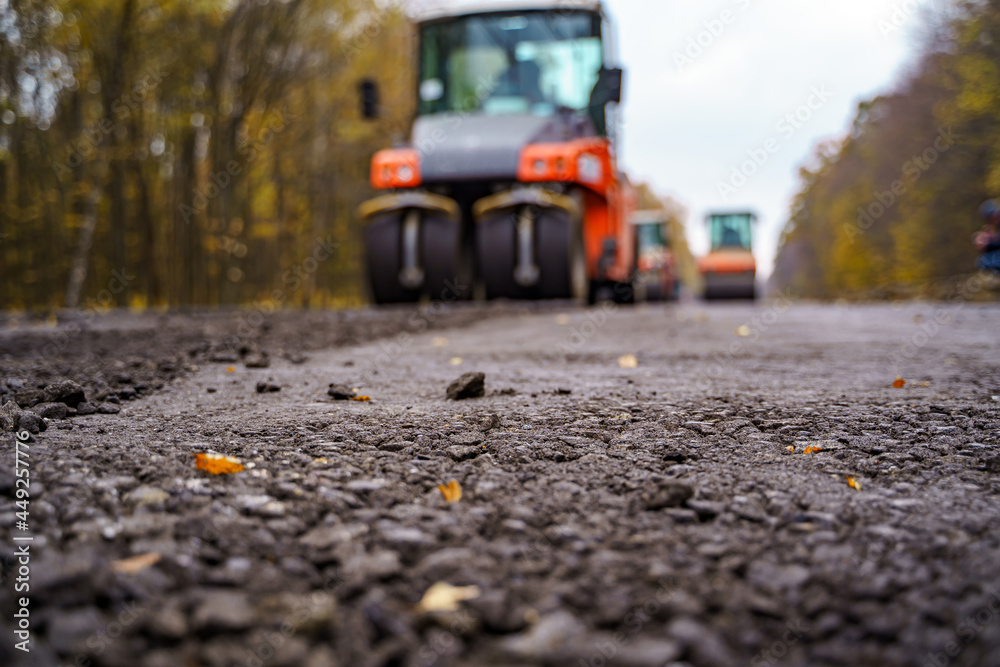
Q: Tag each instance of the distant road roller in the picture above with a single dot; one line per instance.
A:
(730, 270)
(656, 263)
(509, 186)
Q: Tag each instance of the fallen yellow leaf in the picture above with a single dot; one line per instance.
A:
(743, 331)
(853, 483)
(812, 450)
(231, 369)
(790, 448)
(455, 361)
(218, 464)
(135, 564)
(628, 361)
(363, 399)
(445, 597)
(452, 492)
(899, 383)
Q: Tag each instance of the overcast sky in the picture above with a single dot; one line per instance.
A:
(693, 118)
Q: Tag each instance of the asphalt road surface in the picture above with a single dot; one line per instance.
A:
(660, 485)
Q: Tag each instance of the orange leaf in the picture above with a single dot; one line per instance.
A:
(135, 564)
(899, 383)
(853, 483)
(452, 493)
(218, 464)
(363, 399)
(812, 450)
(231, 369)
(790, 448)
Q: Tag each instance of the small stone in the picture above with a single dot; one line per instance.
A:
(704, 645)
(367, 485)
(257, 360)
(706, 509)
(69, 629)
(10, 416)
(772, 577)
(168, 621)
(108, 408)
(31, 423)
(67, 392)
(366, 567)
(86, 409)
(223, 611)
(224, 357)
(267, 387)
(468, 438)
(462, 453)
(325, 537)
(147, 495)
(703, 428)
(552, 633)
(127, 393)
(340, 392)
(681, 515)
(667, 494)
(470, 385)
(29, 397)
(51, 410)
(405, 537)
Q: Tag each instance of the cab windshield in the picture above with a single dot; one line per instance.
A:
(731, 231)
(531, 62)
(651, 236)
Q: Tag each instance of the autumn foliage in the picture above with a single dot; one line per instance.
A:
(166, 152)
(893, 203)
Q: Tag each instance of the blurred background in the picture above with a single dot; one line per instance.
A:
(212, 152)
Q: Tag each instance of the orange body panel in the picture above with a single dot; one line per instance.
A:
(607, 201)
(584, 161)
(727, 261)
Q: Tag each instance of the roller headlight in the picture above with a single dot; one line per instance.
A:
(589, 169)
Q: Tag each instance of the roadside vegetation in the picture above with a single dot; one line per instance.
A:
(890, 208)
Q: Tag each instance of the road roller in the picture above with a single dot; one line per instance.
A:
(729, 271)
(508, 186)
(656, 264)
